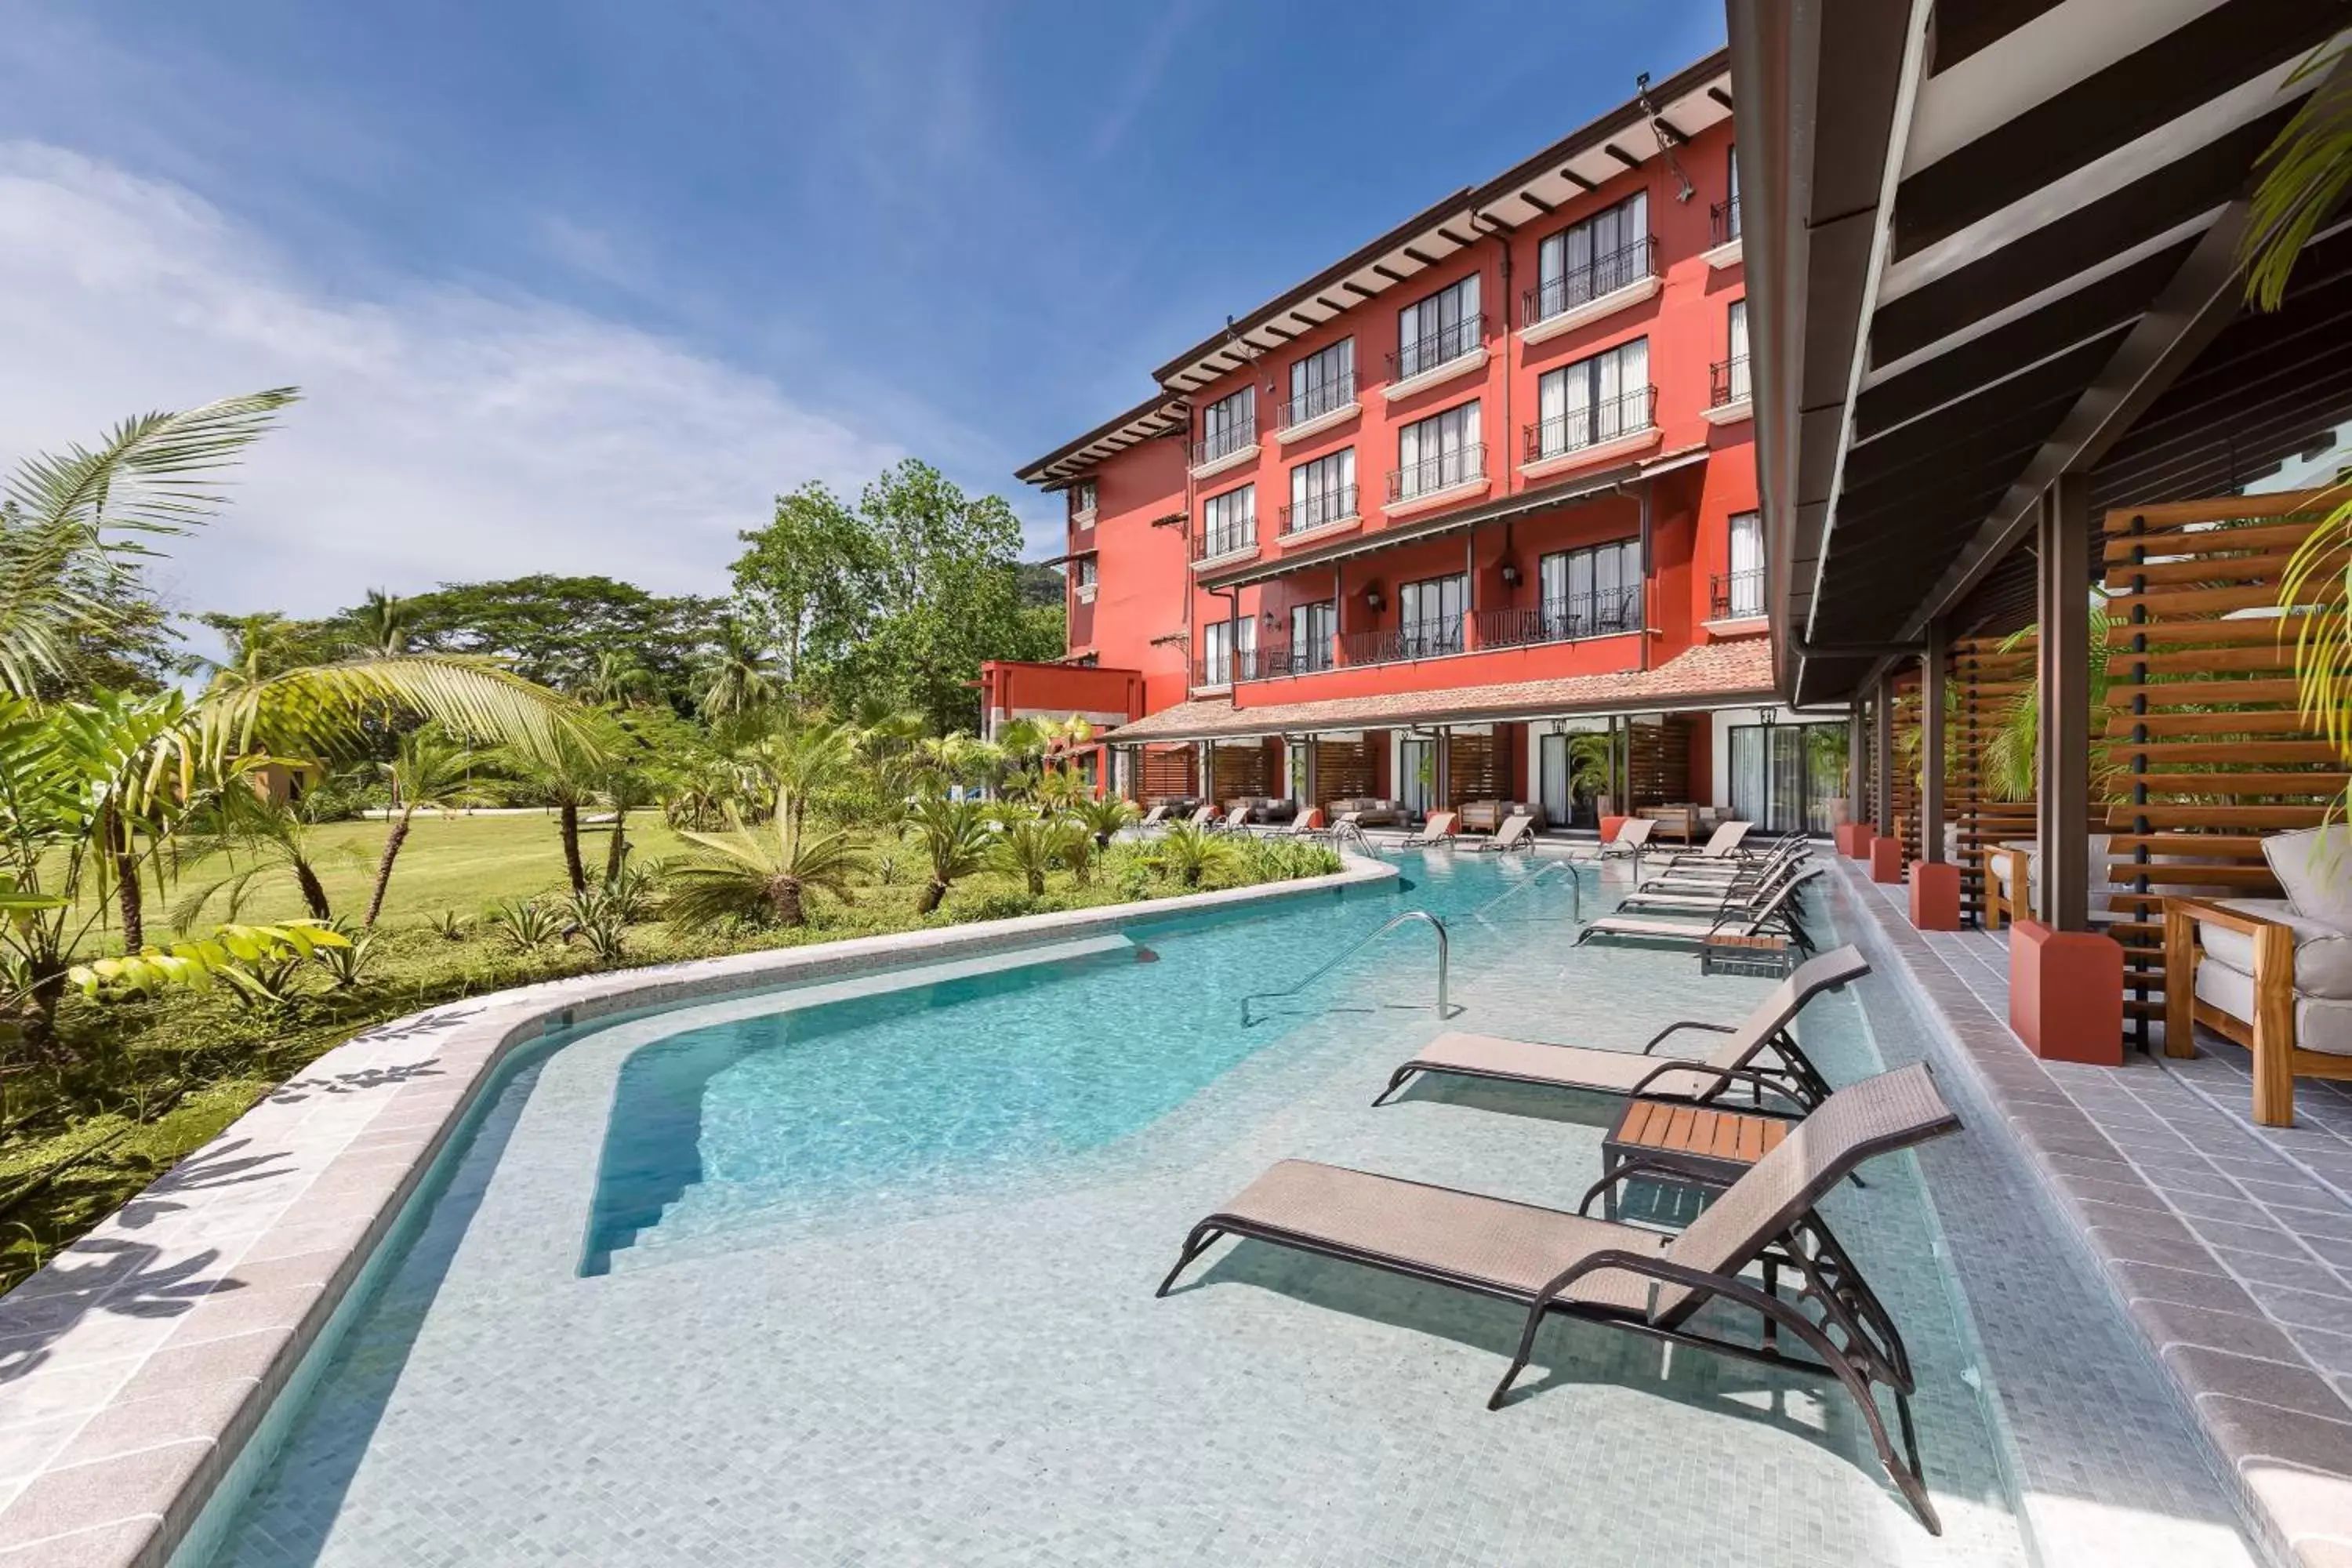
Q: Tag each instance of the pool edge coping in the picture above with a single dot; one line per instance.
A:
(359, 1132)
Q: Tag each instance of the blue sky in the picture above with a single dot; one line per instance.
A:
(578, 285)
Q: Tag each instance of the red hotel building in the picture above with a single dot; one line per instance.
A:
(1403, 530)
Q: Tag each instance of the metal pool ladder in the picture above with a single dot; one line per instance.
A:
(1345, 831)
(1434, 924)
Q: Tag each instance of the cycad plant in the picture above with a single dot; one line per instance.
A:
(1191, 854)
(1031, 847)
(762, 877)
(954, 837)
(1104, 818)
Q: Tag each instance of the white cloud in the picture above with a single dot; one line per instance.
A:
(445, 433)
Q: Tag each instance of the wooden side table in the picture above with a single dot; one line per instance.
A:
(1720, 1143)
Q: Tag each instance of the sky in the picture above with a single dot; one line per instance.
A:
(579, 286)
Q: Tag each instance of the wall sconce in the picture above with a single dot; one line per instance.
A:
(1510, 573)
(1372, 598)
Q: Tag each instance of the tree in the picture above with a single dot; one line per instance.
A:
(621, 677)
(569, 778)
(553, 629)
(430, 771)
(954, 836)
(270, 836)
(737, 675)
(806, 581)
(382, 625)
(741, 875)
(71, 522)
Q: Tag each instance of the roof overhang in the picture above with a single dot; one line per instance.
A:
(1160, 415)
(1686, 103)
(1983, 238)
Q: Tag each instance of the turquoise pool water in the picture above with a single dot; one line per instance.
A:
(870, 1278)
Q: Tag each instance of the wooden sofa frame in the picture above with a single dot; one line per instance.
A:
(2278, 1060)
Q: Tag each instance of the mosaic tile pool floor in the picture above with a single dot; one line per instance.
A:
(985, 1377)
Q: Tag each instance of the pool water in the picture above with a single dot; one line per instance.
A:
(866, 1274)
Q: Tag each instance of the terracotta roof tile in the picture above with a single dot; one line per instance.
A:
(1740, 668)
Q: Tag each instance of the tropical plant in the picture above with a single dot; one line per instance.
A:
(346, 963)
(1107, 817)
(801, 758)
(1030, 847)
(2012, 750)
(428, 772)
(448, 925)
(195, 965)
(269, 836)
(1190, 854)
(620, 677)
(737, 675)
(71, 522)
(606, 937)
(525, 925)
(761, 877)
(571, 779)
(954, 837)
(1592, 758)
(382, 626)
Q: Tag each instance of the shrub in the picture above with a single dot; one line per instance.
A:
(525, 925)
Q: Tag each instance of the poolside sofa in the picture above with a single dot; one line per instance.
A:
(1649, 1282)
(1776, 916)
(2274, 974)
(1756, 1054)
(1369, 811)
(1489, 816)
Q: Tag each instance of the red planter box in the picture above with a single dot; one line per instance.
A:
(2066, 993)
(1886, 859)
(1935, 895)
(1853, 840)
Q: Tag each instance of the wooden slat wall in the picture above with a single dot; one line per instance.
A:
(1658, 762)
(1906, 793)
(1343, 771)
(2205, 749)
(1167, 776)
(1244, 768)
(1474, 768)
(1987, 679)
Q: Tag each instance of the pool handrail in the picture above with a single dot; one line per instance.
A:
(1443, 1011)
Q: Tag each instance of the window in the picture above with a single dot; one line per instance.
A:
(1586, 260)
(1321, 491)
(1437, 453)
(1443, 327)
(1728, 229)
(1082, 498)
(1743, 592)
(1589, 593)
(1417, 776)
(1218, 663)
(1733, 386)
(1085, 577)
(1320, 383)
(1312, 627)
(1229, 522)
(1592, 401)
(1428, 615)
(1227, 425)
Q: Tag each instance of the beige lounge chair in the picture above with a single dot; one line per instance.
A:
(1633, 836)
(1517, 833)
(1721, 846)
(1233, 821)
(1648, 1282)
(1155, 817)
(1438, 829)
(1308, 824)
(1205, 816)
(1777, 916)
(1740, 1061)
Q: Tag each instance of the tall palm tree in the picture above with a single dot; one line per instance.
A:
(71, 522)
(430, 771)
(954, 836)
(619, 678)
(761, 877)
(384, 623)
(626, 789)
(802, 758)
(738, 675)
(571, 778)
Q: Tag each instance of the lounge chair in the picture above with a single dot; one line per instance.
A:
(1233, 821)
(1777, 916)
(1740, 1061)
(1633, 836)
(1206, 816)
(1517, 833)
(1438, 829)
(1308, 824)
(1724, 843)
(1732, 896)
(1646, 1282)
(1714, 876)
(1155, 817)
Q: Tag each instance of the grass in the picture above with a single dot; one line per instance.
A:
(134, 1088)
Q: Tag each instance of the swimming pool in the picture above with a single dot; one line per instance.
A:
(867, 1273)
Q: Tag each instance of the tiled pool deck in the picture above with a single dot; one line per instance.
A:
(2228, 1244)
(905, 1393)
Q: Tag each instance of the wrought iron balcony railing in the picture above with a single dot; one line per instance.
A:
(1607, 612)
(1462, 466)
(1723, 222)
(1318, 400)
(1232, 538)
(1270, 663)
(1736, 595)
(1242, 433)
(1727, 382)
(1337, 502)
(1625, 415)
(1414, 639)
(1627, 265)
(1434, 349)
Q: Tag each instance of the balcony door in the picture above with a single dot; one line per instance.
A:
(1429, 615)
(1417, 776)
(1312, 627)
(1551, 763)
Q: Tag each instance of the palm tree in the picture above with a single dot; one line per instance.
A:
(569, 779)
(737, 676)
(626, 789)
(430, 771)
(270, 836)
(955, 838)
(802, 758)
(741, 875)
(69, 521)
(384, 625)
(620, 677)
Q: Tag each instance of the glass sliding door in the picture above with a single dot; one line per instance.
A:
(1785, 777)
(1551, 762)
(1417, 776)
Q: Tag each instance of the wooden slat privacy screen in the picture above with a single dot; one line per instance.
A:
(2205, 751)
(1167, 774)
(1658, 760)
(1343, 771)
(1989, 680)
(1474, 767)
(1243, 768)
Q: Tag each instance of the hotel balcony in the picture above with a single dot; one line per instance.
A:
(1458, 474)
(1227, 448)
(1335, 508)
(1736, 595)
(1261, 664)
(1606, 284)
(1724, 248)
(1318, 409)
(1623, 424)
(1431, 638)
(1727, 391)
(1220, 545)
(1610, 612)
(1437, 358)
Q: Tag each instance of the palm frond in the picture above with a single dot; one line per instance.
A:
(326, 707)
(2306, 173)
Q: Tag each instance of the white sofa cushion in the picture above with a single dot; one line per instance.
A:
(2321, 1024)
(2314, 866)
(2322, 952)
